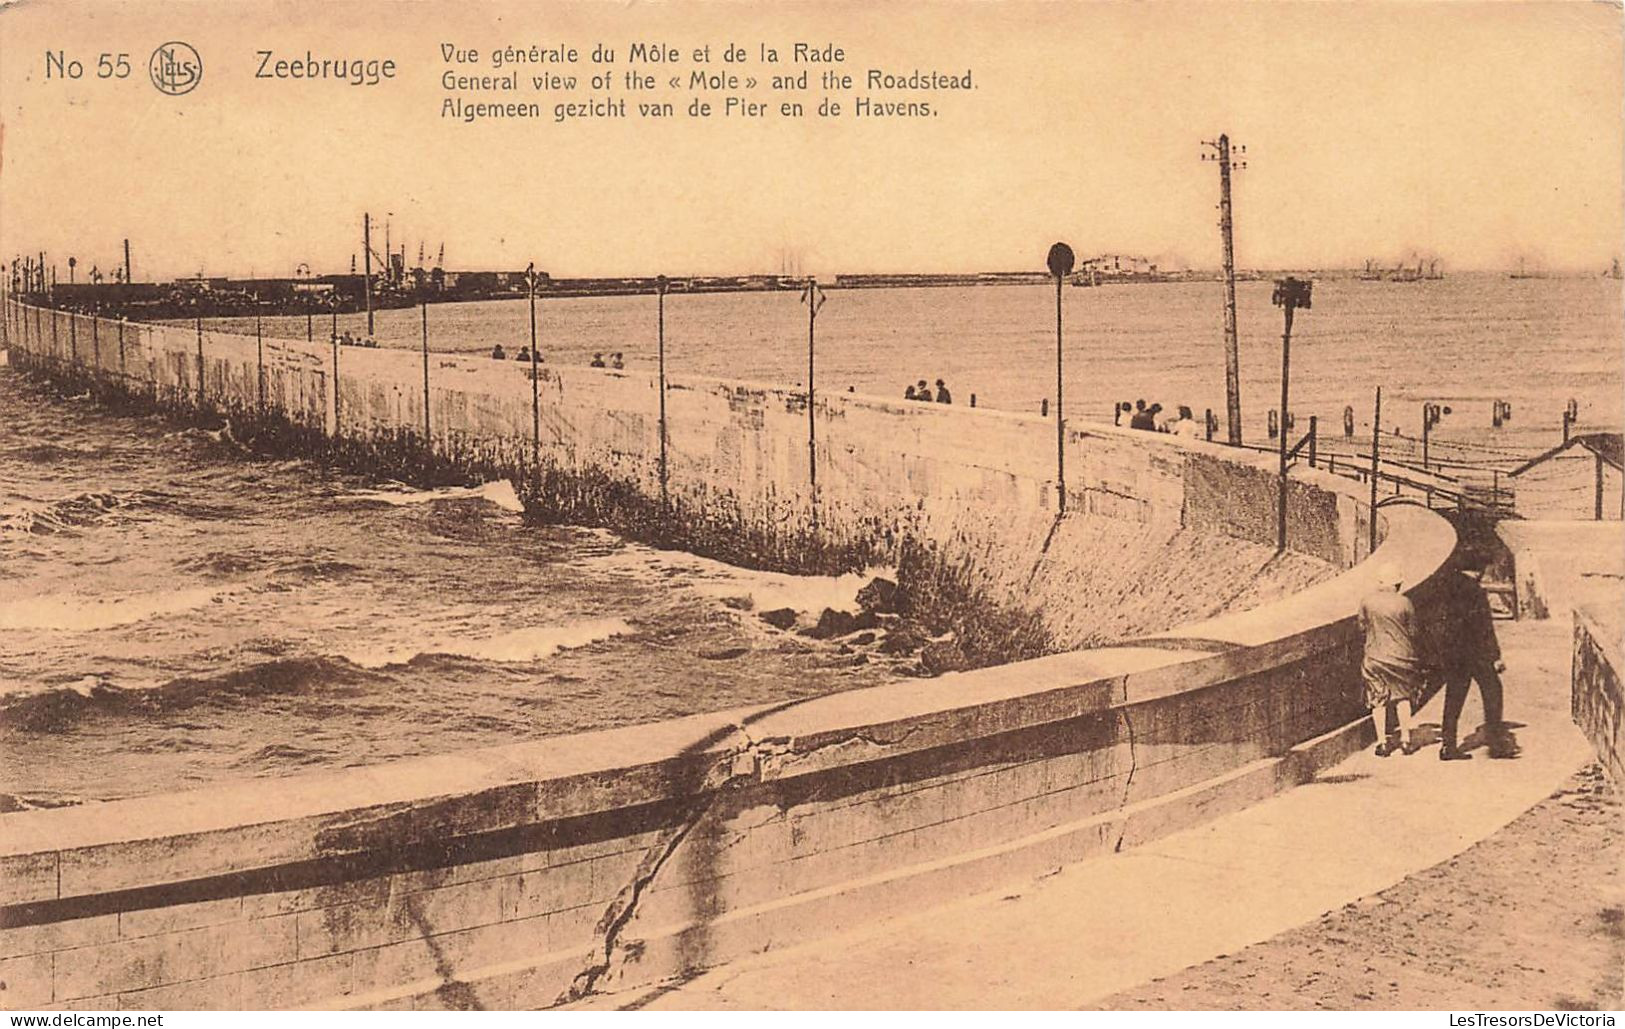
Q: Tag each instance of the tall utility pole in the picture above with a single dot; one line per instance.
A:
(127, 279)
(662, 284)
(1376, 467)
(535, 380)
(1232, 353)
(366, 280)
(813, 297)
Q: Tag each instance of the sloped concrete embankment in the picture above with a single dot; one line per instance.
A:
(529, 874)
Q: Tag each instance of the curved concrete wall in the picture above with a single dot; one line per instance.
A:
(519, 875)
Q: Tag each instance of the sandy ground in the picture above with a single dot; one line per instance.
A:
(1532, 917)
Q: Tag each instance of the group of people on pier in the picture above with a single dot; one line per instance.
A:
(499, 354)
(921, 391)
(1150, 418)
(1450, 643)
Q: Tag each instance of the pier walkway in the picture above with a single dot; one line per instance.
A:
(1101, 926)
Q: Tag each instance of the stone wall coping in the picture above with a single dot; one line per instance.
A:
(1604, 629)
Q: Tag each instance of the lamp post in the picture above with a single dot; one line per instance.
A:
(1290, 294)
(1431, 413)
(1060, 261)
(662, 284)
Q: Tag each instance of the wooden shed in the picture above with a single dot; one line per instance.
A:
(1581, 479)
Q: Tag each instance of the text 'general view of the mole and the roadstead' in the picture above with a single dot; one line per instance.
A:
(754, 82)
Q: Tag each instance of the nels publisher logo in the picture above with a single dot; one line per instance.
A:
(175, 68)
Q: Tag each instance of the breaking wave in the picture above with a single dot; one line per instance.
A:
(499, 492)
(73, 612)
(533, 643)
(43, 518)
(60, 707)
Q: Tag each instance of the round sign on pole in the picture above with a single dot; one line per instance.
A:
(1061, 260)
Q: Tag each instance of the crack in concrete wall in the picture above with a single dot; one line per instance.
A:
(1133, 766)
(625, 904)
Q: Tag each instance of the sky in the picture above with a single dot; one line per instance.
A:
(1478, 134)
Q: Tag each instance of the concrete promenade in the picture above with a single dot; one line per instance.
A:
(1107, 924)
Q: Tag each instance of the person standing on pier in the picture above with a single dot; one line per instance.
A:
(498, 354)
(1469, 652)
(943, 396)
(1390, 667)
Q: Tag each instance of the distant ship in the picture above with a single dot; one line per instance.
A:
(1401, 272)
(1524, 272)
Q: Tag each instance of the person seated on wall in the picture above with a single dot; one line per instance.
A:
(598, 360)
(922, 391)
(498, 354)
(1391, 665)
(523, 355)
(943, 396)
(910, 394)
(1185, 424)
(617, 362)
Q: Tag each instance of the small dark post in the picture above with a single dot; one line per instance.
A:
(535, 383)
(662, 284)
(1598, 515)
(335, 316)
(1060, 261)
(121, 348)
(428, 438)
(1314, 424)
(813, 297)
(95, 342)
(1290, 294)
(73, 337)
(310, 320)
(259, 357)
(1376, 447)
(1571, 414)
(1431, 413)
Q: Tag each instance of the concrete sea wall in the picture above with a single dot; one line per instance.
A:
(1598, 700)
(527, 874)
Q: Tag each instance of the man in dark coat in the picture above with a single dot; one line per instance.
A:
(1469, 652)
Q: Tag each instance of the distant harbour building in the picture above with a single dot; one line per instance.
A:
(1582, 479)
